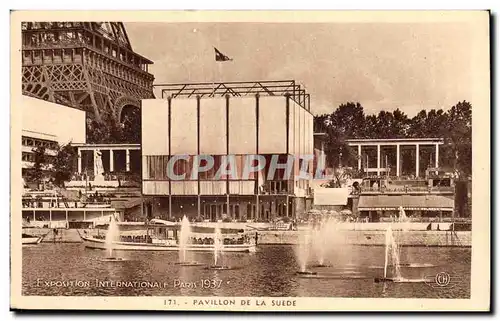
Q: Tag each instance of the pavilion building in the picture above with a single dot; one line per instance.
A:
(238, 119)
(402, 173)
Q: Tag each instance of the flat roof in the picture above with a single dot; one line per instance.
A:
(357, 141)
(293, 89)
(35, 134)
(107, 146)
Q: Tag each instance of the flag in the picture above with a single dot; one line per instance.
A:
(219, 56)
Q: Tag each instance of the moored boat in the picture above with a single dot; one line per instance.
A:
(31, 239)
(154, 244)
(160, 235)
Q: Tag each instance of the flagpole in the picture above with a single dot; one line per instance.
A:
(213, 77)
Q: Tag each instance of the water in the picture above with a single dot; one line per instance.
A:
(403, 219)
(218, 244)
(271, 271)
(303, 250)
(320, 243)
(324, 238)
(112, 235)
(184, 236)
(391, 256)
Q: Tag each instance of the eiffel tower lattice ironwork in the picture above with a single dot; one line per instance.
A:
(86, 65)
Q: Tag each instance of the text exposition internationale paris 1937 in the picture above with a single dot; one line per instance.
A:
(244, 161)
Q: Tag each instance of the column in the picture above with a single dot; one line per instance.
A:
(93, 157)
(397, 160)
(80, 161)
(359, 157)
(378, 160)
(417, 160)
(169, 205)
(287, 204)
(437, 156)
(257, 209)
(199, 205)
(111, 161)
(127, 160)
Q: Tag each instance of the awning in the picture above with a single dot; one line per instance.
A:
(331, 196)
(127, 203)
(408, 202)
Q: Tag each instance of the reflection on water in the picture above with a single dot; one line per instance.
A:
(71, 269)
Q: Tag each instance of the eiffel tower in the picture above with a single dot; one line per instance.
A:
(90, 66)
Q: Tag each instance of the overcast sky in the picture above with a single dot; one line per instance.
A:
(382, 66)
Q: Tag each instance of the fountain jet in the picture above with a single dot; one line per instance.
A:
(112, 236)
(403, 219)
(303, 251)
(218, 248)
(184, 241)
(391, 255)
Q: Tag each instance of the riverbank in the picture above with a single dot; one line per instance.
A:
(350, 237)
(377, 238)
(59, 235)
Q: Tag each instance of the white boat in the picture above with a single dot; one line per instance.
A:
(31, 240)
(160, 235)
(163, 245)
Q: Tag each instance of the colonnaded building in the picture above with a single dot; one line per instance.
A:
(236, 118)
(46, 124)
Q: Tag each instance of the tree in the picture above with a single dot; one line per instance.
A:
(349, 121)
(36, 173)
(63, 164)
(341, 175)
(458, 137)
(389, 125)
(97, 132)
(131, 126)
(111, 130)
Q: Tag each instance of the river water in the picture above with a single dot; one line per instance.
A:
(71, 269)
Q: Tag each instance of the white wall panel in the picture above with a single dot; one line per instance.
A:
(272, 125)
(213, 126)
(184, 126)
(59, 123)
(302, 131)
(296, 125)
(242, 125)
(155, 187)
(310, 134)
(154, 126)
(242, 187)
(306, 132)
(184, 187)
(212, 187)
(291, 127)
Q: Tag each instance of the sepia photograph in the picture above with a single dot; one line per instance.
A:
(226, 161)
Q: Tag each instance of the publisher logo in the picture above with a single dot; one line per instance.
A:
(442, 280)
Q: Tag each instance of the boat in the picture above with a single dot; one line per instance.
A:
(31, 239)
(158, 236)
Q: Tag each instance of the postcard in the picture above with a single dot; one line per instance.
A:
(250, 161)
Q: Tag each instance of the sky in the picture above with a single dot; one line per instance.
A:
(383, 66)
